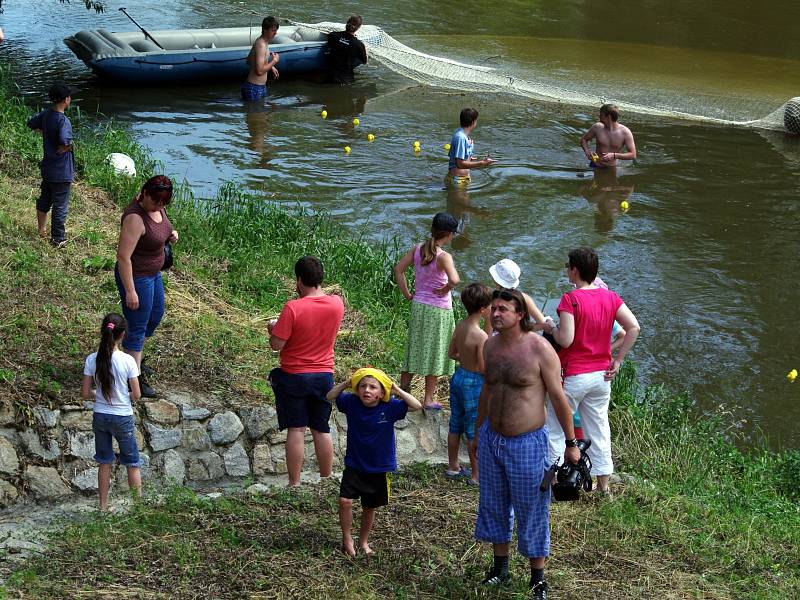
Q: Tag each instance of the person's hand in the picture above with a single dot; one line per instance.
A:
(408, 295)
(276, 58)
(271, 325)
(275, 73)
(572, 455)
(612, 370)
(173, 237)
(443, 291)
(609, 157)
(488, 161)
(132, 300)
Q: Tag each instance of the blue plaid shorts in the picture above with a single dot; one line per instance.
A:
(465, 388)
(253, 91)
(511, 470)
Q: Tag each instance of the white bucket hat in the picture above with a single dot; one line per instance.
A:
(505, 273)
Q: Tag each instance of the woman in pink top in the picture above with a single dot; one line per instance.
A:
(431, 323)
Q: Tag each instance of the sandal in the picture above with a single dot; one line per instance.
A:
(433, 406)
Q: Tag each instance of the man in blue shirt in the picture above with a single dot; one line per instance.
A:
(462, 149)
(58, 163)
(371, 454)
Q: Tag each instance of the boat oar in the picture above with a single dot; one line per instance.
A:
(144, 31)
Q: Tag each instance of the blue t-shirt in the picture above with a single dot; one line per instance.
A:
(370, 433)
(56, 131)
(460, 147)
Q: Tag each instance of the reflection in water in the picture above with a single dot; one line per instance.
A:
(606, 191)
(460, 206)
(256, 117)
(347, 100)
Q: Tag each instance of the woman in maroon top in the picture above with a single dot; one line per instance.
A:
(140, 256)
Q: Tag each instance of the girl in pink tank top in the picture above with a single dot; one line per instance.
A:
(431, 322)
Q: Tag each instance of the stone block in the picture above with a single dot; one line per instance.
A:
(205, 466)
(47, 417)
(195, 437)
(45, 483)
(9, 461)
(262, 460)
(79, 419)
(171, 467)
(65, 408)
(258, 488)
(258, 420)
(86, 480)
(406, 443)
(81, 444)
(279, 437)
(427, 438)
(31, 442)
(225, 427)
(237, 464)
(401, 424)
(341, 420)
(191, 413)
(163, 439)
(163, 412)
(8, 493)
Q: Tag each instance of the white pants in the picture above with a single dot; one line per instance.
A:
(588, 394)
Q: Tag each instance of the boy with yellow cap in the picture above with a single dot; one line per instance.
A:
(371, 454)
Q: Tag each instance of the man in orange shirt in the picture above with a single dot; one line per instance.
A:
(305, 333)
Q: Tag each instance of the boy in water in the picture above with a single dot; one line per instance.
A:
(465, 386)
(371, 454)
(255, 88)
(462, 149)
(610, 136)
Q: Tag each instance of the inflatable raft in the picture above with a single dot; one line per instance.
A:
(193, 54)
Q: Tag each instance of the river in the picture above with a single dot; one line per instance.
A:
(707, 254)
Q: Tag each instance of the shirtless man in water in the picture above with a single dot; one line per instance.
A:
(512, 440)
(610, 137)
(255, 88)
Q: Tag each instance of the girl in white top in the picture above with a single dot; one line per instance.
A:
(112, 371)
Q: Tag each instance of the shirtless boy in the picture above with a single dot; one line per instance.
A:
(521, 367)
(610, 137)
(255, 88)
(466, 347)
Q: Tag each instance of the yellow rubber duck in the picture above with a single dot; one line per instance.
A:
(624, 205)
(370, 137)
(447, 147)
(347, 149)
(356, 122)
(792, 375)
(324, 114)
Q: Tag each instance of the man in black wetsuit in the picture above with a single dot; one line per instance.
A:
(345, 52)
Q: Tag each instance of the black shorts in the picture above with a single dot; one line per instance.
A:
(372, 488)
(300, 399)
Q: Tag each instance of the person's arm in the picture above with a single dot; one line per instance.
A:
(564, 332)
(445, 262)
(337, 390)
(400, 273)
(618, 339)
(630, 146)
(35, 122)
(631, 326)
(132, 230)
(483, 399)
(481, 361)
(585, 139)
(452, 350)
(412, 403)
(363, 52)
(551, 375)
(86, 387)
(474, 163)
(534, 311)
(64, 137)
(275, 342)
(136, 390)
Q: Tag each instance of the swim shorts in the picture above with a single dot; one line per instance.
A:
(457, 180)
(253, 91)
(372, 488)
(465, 388)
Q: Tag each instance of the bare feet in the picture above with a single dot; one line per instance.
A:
(365, 548)
(348, 549)
(42, 233)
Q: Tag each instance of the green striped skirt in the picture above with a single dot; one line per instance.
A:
(429, 331)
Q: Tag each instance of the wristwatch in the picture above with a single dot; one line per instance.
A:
(573, 443)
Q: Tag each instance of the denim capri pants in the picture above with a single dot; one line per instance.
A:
(115, 427)
(143, 321)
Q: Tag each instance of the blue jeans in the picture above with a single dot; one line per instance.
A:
(55, 195)
(121, 428)
(143, 321)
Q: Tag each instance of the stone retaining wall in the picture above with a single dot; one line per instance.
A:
(191, 439)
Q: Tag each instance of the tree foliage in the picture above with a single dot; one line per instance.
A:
(97, 6)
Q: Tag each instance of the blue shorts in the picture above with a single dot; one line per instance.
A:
(510, 472)
(465, 388)
(143, 321)
(300, 399)
(121, 428)
(253, 91)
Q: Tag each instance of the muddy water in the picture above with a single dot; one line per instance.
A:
(707, 255)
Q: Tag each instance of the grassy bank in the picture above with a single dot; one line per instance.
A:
(696, 517)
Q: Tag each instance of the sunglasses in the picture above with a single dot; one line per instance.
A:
(503, 295)
(159, 187)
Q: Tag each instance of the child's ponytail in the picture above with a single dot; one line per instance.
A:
(111, 331)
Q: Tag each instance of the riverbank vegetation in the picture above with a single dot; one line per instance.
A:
(694, 517)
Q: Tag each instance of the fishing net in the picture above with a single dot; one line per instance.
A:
(442, 72)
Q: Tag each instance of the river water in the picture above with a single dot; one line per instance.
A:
(706, 256)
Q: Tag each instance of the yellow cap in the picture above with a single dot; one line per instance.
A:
(380, 376)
